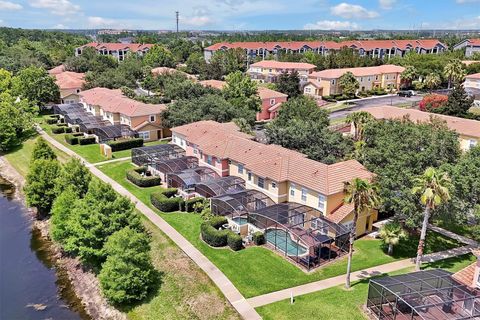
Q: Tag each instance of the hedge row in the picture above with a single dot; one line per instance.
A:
(258, 238)
(86, 140)
(189, 204)
(165, 202)
(125, 144)
(220, 238)
(52, 121)
(71, 139)
(135, 176)
(57, 129)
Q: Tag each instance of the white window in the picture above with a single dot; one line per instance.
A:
(209, 159)
(292, 190)
(472, 143)
(376, 77)
(274, 185)
(249, 174)
(174, 139)
(321, 202)
(152, 118)
(272, 102)
(307, 89)
(304, 194)
(218, 160)
(261, 182)
(240, 168)
(145, 135)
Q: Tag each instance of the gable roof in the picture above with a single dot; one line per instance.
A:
(57, 69)
(114, 101)
(462, 126)
(218, 84)
(69, 80)
(266, 93)
(283, 65)
(133, 47)
(475, 76)
(358, 72)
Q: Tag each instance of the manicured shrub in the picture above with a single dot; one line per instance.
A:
(189, 204)
(212, 236)
(217, 221)
(71, 139)
(258, 238)
(62, 124)
(164, 203)
(433, 101)
(170, 192)
(54, 116)
(78, 134)
(86, 140)
(234, 241)
(57, 129)
(125, 144)
(135, 176)
(52, 121)
(68, 130)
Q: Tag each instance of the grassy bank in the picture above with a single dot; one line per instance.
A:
(337, 303)
(257, 270)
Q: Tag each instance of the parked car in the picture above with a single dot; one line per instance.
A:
(407, 93)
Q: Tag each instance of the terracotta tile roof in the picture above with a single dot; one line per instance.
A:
(469, 62)
(275, 107)
(466, 275)
(340, 213)
(271, 161)
(474, 42)
(272, 64)
(57, 69)
(166, 70)
(475, 76)
(218, 84)
(358, 72)
(133, 47)
(114, 101)
(69, 80)
(315, 83)
(462, 126)
(266, 93)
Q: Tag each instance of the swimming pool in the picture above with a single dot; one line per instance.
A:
(240, 220)
(281, 237)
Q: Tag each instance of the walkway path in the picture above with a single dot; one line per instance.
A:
(221, 281)
(452, 235)
(107, 161)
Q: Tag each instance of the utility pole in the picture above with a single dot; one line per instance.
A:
(176, 15)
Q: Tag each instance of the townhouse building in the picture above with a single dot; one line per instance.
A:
(472, 81)
(119, 51)
(281, 174)
(269, 70)
(69, 83)
(271, 99)
(467, 129)
(325, 82)
(114, 107)
(373, 48)
(471, 46)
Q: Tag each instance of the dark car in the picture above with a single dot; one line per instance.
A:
(406, 93)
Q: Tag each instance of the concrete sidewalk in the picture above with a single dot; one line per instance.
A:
(107, 161)
(453, 235)
(221, 281)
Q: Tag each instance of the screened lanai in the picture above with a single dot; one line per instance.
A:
(113, 132)
(427, 294)
(187, 179)
(239, 204)
(220, 186)
(164, 167)
(149, 155)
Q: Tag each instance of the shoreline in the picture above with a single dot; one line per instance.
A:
(84, 283)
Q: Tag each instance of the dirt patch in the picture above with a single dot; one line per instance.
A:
(206, 306)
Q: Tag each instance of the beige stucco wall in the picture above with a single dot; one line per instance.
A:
(362, 226)
(465, 142)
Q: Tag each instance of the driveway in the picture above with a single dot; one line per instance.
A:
(374, 102)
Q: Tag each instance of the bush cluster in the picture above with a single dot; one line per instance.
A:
(57, 129)
(234, 241)
(86, 140)
(189, 204)
(135, 176)
(68, 130)
(52, 121)
(165, 202)
(258, 238)
(220, 238)
(71, 139)
(125, 144)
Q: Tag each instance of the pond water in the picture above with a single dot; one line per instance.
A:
(31, 287)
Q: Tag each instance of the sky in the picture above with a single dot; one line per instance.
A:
(241, 14)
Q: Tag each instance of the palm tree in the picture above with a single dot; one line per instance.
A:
(432, 81)
(391, 234)
(454, 72)
(358, 120)
(433, 187)
(364, 197)
(408, 75)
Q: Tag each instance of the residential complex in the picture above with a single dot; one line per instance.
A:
(280, 174)
(117, 109)
(270, 70)
(325, 82)
(468, 130)
(117, 50)
(472, 81)
(69, 83)
(373, 48)
(471, 46)
(271, 99)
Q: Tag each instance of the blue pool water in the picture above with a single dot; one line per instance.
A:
(240, 220)
(281, 237)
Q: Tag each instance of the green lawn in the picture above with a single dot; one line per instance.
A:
(257, 270)
(469, 231)
(337, 303)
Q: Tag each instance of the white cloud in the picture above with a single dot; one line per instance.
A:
(7, 5)
(352, 11)
(386, 4)
(99, 22)
(331, 25)
(60, 26)
(57, 7)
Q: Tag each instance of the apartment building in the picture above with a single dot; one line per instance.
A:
(271, 99)
(373, 48)
(117, 50)
(471, 46)
(281, 174)
(114, 107)
(325, 82)
(69, 83)
(467, 129)
(270, 70)
(472, 81)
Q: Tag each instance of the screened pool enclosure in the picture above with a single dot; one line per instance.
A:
(220, 186)
(149, 155)
(174, 165)
(187, 179)
(427, 294)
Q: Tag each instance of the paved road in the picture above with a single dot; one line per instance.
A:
(373, 102)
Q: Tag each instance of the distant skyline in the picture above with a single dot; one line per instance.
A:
(242, 14)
